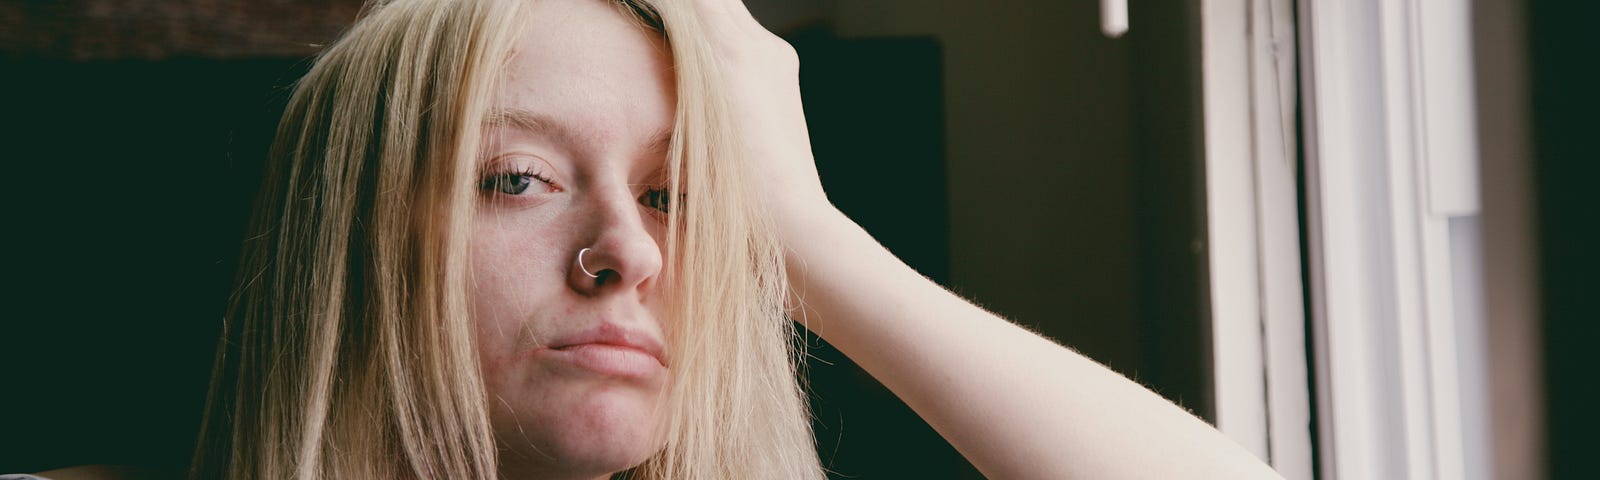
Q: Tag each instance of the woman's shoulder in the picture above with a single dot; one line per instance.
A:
(99, 472)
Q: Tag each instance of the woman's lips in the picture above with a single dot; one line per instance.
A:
(608, 348)
(609, 359)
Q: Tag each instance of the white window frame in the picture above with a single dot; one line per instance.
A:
(1391, 163)
(1395, 279)
(1257, 305)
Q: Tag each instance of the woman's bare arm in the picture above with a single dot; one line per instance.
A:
(1015, 404)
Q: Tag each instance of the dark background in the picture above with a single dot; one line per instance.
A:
(1565, 131)
(129, 188)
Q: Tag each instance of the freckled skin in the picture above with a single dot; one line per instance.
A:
(583, 64)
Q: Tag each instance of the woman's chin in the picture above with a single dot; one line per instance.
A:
(567, 459)
(604, 432)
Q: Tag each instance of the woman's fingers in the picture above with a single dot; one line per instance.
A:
(732, 11)
(761, 75)
(732, 24)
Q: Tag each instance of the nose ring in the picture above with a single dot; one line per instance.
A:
(582, 267)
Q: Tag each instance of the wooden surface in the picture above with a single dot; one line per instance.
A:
(162, 29)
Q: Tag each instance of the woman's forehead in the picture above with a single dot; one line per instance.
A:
(583, 70)
(566, 132)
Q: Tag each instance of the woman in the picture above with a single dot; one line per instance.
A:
(559, 238)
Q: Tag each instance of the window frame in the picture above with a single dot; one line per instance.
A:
(1393, 262)
(1253, 229)
(1391, 163)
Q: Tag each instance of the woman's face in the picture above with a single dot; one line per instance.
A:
(574, 154)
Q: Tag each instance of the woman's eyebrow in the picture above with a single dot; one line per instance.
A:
(540, 123)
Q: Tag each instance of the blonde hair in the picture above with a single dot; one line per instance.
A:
(347, 350)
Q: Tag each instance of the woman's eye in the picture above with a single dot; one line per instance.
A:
(514, 183)
(657, 198)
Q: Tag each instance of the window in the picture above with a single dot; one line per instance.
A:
(1389, 210)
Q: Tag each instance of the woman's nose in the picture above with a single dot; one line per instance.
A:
(620, 254)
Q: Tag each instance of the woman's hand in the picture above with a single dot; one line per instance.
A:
(762, 72)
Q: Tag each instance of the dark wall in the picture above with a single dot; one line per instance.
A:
(126, 192)
(1081, 169)
(1565, 135)
(875, 111)
(1170, 204)
(1074, 172)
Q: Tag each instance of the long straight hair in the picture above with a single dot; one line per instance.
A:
(348, 349)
